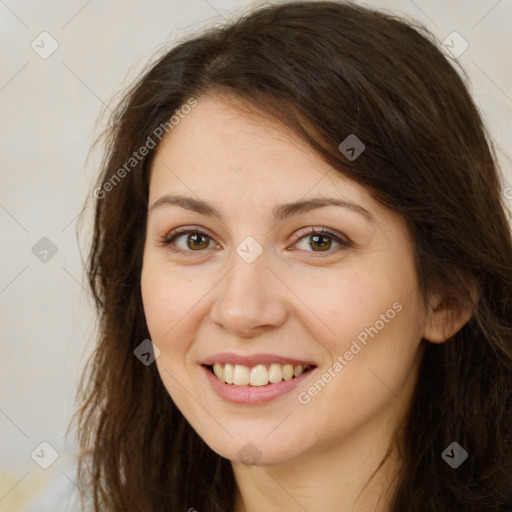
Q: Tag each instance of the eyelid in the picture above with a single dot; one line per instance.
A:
(315, 230)
(184, 230)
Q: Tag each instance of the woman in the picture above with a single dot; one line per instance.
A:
(303, 269)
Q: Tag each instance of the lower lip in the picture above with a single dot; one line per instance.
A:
(253, 395)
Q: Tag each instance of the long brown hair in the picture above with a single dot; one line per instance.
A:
(325, 70)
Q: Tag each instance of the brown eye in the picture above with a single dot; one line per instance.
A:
(197, 241)
(187, 240)
(321, 240)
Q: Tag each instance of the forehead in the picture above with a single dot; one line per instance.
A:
(218, 147)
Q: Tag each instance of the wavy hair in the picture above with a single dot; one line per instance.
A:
(324, 70)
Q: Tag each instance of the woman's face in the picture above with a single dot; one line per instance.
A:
(247, 283)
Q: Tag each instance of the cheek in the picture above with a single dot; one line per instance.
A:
(377, 336)
(168, 306)
(346, 303)
(156, 298)
(373, 357)
(166, 297)
(370, 317)
(174, 304)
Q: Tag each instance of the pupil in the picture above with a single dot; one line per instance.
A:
(195, 237)
(316, 238)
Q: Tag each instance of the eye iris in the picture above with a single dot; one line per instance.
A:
(196, 243)
(323, 245)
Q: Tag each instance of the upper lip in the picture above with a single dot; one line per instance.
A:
(254, 359)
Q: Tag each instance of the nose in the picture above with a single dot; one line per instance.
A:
(250, 299)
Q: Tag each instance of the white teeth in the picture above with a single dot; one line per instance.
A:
(259, 375)
(287, 371)
(228, 373)
(241, 375)
(218, 370)
(275, 374)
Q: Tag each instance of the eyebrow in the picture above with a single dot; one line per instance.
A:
(279, 213)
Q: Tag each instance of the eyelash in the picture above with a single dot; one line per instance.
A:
(179, 232)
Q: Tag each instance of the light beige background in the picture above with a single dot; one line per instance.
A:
(50, 110)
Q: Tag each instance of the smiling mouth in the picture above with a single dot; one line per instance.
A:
(257, 376)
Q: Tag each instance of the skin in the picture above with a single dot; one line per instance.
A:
(294, 299)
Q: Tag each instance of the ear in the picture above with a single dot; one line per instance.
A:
(446, 316)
